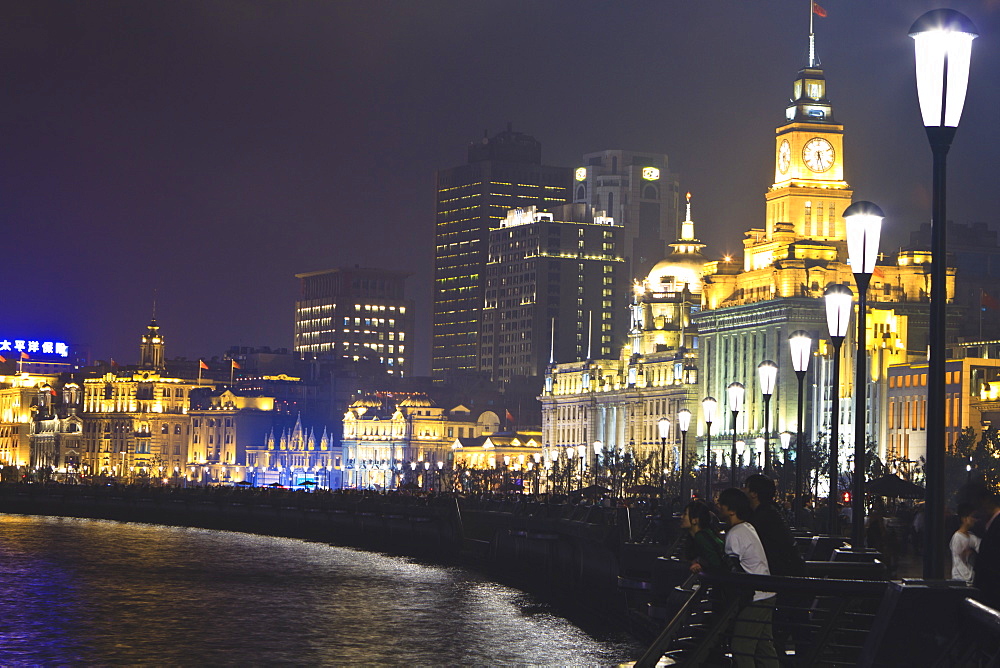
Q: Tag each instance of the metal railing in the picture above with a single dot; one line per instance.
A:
(821, 622)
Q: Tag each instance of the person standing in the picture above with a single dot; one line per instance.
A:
(751, 642)
(705, 549)
(783, 557)
(963, 544)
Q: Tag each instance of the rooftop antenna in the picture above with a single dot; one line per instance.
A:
(812, 36)
(154, 303)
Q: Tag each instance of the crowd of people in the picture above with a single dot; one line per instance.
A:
(748, 531)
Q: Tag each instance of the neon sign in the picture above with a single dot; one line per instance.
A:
(28, 346)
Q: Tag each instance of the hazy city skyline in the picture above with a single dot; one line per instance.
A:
(211, 150)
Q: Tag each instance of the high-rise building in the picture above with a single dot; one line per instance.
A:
(557, 272)
(357, 314)
(638, 191)
(503, 172)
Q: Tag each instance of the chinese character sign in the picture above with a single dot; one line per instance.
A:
(29, 346)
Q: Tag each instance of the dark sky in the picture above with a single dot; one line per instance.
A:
(211, 150)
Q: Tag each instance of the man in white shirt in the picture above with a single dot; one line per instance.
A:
(963, 544)
(751, 643)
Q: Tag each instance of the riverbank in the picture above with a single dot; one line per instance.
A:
(566, 555)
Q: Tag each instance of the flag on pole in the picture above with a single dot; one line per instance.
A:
(24, 356)
(2, 359)
(236, 365)
(202, 365)
(510, 418)
(818, 11)
(986, 300)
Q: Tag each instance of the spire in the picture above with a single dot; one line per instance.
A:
(687, 227)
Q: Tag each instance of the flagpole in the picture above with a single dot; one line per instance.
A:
(199, 371)
(812, 37)
(232, 370)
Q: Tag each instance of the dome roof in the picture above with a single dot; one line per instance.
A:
(677, 270)
(417, 401)
(684, 265)
(367, 402)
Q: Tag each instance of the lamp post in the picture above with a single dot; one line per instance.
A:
(663, 427)
(741, 447)
(785, 438)
(839, 304)
(943, 49)
(864, 226)
(767, 372)
(800, 346)
(758, 449)
(734, 396)
(709, 406)
(683, 423)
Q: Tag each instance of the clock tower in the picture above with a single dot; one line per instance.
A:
(809, 193)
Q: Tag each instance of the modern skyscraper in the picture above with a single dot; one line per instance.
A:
(557, 272)
(638, 191)
(357, 314)
(503, 172)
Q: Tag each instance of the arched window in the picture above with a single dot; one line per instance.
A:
(581, 192)
(649, 192)
(611, 204)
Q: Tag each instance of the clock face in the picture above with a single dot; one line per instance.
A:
(581, 173)
(650, 173)
(784, 156)
(818, 154)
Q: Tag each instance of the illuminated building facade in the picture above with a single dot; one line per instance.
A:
(295, 456)
(136, 423)
(560, 271)
(749, 311)
(384, 436)
(972, 388)
(638, 191)
(616, 403)
(503, 172)
(356, 314)
(224, 429)
(40, 429)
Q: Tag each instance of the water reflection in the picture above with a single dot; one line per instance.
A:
(93, 592)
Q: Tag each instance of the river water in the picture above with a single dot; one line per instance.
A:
(94, 592)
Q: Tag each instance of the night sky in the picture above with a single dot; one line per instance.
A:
(211, 150)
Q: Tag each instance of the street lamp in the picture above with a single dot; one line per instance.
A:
(663, 426)
(864, 226)
(785, 438)
(683, 423)
(800, 346)
(839, 304)
(734, 396)
(767, 372)
(943, 47)
(709, 406)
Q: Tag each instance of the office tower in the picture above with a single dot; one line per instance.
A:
(358, 314)
(638, 191)
(559, 271)
(503, 172)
